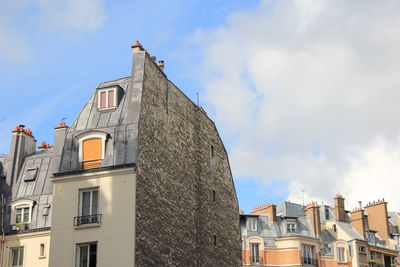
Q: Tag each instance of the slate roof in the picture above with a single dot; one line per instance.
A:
(120, 125)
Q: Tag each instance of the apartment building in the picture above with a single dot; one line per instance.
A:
(291, 234)
(140, 178)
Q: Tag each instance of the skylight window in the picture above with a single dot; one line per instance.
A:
(30, 175)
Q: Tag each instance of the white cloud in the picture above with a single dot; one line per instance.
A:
(310, 91)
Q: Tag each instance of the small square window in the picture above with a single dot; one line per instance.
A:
(30, 175)
(361, 249)
(22, 215)
(42, 253)
(107, 98)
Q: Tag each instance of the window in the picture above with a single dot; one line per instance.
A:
(371, 237)
(341, 255)
(107, 98)
(361, 249)
(252, 224)
(308, 254)
(30, 175)
(328, 248)
(327, 213)
(214, 195)
(88, 207)
(91, 148)
(291, 227)
(212, 151)
(17, 257)
(373, 255)
(22, 215)
(86, 255)
(21, 211)
(215, 240)
(255, 252)
(42, 251)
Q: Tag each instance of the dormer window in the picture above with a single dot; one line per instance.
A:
(21, 211)
(291, 227)
(91, 149)
(252, 223)
(107, 98)
(371, 236)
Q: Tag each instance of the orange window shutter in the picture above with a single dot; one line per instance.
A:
(92, 152)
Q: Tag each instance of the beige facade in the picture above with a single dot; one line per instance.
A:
(114, 235)
(36, 247)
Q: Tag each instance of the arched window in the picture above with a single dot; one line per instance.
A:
(21, 211)
(91, 149)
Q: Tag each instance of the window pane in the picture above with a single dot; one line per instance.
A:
(103, 103)
(93, 258)
(26, 214)
(14, 256)
(21, 256)
(18, 216)
(95, 197)
(83, 253)
(111, 98)
(85, 203)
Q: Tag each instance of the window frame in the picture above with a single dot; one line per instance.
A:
(341, 254)
(107, 90)
(12, 249)
(78, 252)
(361, 249)
(80, 199)
(21, 204)
(252, 224)
(291, 227)
(91, 135)
(307, 254)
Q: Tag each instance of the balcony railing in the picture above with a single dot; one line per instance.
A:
(309, 260)
(87, 219)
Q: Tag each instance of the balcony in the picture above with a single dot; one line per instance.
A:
(255, 261)
(89, 220)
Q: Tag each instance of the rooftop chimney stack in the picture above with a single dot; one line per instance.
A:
(266, 209)
(312, 211)
(22, 144)
(358, 220)
(59, 138)
(378, 219)
(339, 208)
(161, 65)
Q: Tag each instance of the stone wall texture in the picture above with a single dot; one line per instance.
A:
(187, 209)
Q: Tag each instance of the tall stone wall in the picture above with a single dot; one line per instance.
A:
(187, 211)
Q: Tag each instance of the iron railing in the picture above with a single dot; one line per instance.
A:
(87, 219)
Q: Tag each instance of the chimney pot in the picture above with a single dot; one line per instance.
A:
(161, 64)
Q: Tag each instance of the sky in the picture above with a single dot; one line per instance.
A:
(304, 93)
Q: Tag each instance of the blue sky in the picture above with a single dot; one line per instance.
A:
(304, 92)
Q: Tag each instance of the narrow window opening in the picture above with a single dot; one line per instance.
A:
(334, 227)
(214, 195)
(215, 240)
(42, 254)
(212, 151)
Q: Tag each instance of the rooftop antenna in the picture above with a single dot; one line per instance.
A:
(302, 196)
(63, 119)
(197, 97)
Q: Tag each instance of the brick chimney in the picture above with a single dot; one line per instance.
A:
(358, 220)
(266, 209)
(378, 218)
(59, 139)
(22, 144)
(339, 208)
(312, 212)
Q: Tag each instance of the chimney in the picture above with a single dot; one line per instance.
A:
(339, 208)
(312, 212)
(378, 219)
(137, 47)
(60, 133)
(161, 65)
(358, 220)
(22, 144)
(266, 209)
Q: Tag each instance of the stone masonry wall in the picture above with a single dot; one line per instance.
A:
(176, 215)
